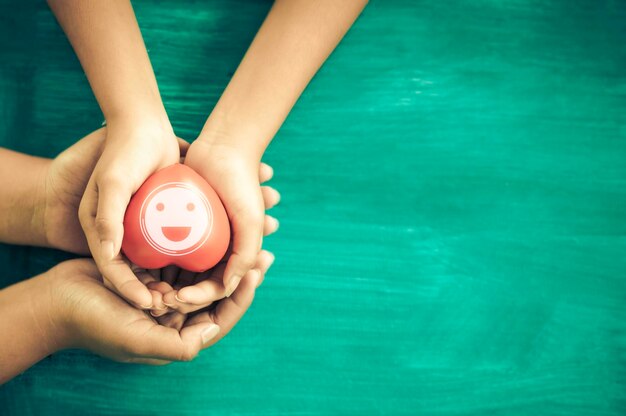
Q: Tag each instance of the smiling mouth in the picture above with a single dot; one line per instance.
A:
(176, 233)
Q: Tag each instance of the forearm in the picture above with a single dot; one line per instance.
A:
(295, 39)
(21, 198)
(27, 326)
(109, 45)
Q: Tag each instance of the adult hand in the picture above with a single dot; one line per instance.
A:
(87, 315)
(64, 184)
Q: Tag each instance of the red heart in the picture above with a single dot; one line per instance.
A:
(176, 218)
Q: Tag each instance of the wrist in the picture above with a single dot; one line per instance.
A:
(223, 129)
(24, 217)
(47, 316)
(38, 205)
(151, 124)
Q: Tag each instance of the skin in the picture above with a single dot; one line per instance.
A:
(139, 137)
(293, 42)
(69, 306)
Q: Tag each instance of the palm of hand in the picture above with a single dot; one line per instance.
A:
(101, 321)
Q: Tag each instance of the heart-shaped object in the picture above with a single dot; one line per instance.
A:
(176, 218)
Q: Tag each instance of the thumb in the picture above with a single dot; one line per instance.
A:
(113, 197)
(104, 227)
(163, 343)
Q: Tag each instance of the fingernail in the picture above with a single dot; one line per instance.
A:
(180, 300)
(157, 313)
(107, 250)
(149, 306)
(274, 222)
(232, 285)
(209, 333)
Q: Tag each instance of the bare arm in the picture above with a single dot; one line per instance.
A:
(292, 44)
(295, 39)
(139, 138)
(21, 203)
(108, 43)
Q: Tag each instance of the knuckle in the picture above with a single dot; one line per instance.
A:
(103, 225)
(188, 354)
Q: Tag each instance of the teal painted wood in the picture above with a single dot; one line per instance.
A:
(453, 218)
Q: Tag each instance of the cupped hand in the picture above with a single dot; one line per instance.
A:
(234, 174)
(171, 284)
(89, 316)
(172, 277)
(64, 184)
(228, 171)
(130, 155)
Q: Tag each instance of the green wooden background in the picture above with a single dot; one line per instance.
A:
(453, 225)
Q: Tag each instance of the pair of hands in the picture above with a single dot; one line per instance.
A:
(130, 154)
(83, 304)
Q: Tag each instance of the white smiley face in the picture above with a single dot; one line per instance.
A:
(176, 219)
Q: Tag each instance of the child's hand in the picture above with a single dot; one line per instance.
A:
(129, 156)
(200, 290)
(89, 316)
(234, 174)
(209, 282)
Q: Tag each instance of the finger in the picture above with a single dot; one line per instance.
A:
(143, 275)
(270, 225)
(209, 286)
(161, 287)
(124, 282)
(158, 308)
(206, 289)
(247, 240)
(264, 262)
(163, 343)
(114, 195)
(116, 273)
(147, 361)
(271, 197)
(158, 290)
(265, 172)
(202, 293)
(197, 337)
(230, 310)
(147, 278)
(174, 320)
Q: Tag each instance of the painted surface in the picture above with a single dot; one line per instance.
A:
(453, 222)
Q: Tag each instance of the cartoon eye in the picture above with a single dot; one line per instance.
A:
(160, 206)
(190, 206)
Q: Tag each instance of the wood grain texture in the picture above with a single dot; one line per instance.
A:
(453, 225)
